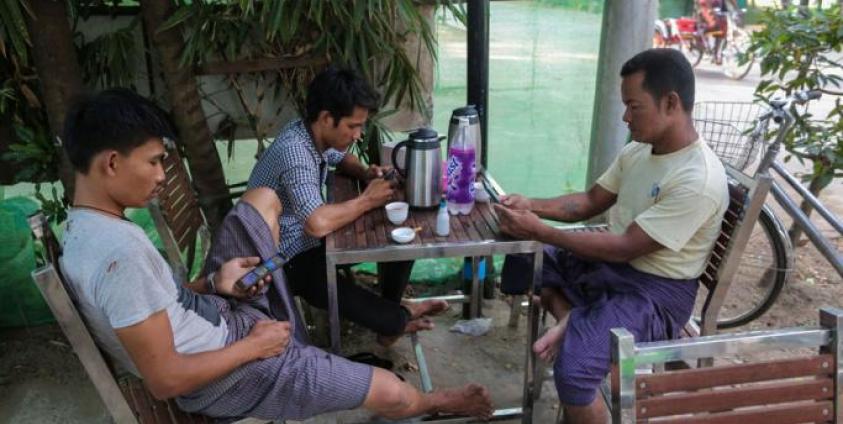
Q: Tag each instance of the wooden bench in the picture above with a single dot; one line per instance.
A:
(795, 389)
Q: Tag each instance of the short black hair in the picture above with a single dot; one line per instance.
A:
(339, 91)
(116, 119)
(665, 70)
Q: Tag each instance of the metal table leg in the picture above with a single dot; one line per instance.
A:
(530, 369)
(476, 296)
(333, 305)
(424, 373)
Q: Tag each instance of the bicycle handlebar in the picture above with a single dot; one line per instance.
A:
(778, 105)
(807, 95)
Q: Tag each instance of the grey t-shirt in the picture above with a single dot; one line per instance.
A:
(119, 279)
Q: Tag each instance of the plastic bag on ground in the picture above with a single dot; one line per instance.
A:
(473, 327)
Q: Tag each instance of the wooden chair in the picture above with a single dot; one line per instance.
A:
(796, 389)
(124, 396)
(178, 218)
(746, 198)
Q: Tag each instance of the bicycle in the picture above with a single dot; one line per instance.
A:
(737, 131)
(687, 35)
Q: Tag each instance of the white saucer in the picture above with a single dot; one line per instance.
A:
(403, 234)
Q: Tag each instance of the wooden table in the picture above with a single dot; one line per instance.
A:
(476, 235)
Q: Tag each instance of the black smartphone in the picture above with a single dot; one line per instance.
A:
(493, 195)
(260, 271)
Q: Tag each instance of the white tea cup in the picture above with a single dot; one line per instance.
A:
(480, 193)
(397, 212)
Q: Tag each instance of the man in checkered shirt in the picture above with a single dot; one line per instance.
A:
(295, 166)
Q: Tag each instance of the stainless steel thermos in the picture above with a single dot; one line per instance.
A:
(422, 168)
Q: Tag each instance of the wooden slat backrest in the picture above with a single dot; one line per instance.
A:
(734, 214)
(802, 387)
(700, 378)
(729, 399)
(814, 412)
(725, 250)
(178, 216)
(127, 401)
(729, 387)
(180, 202)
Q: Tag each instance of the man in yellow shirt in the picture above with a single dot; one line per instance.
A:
(666, 194)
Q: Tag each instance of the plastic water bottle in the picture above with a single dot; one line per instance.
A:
(443, 221)
(461, 171)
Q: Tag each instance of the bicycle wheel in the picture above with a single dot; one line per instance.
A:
(692, 49)
(760, 277)
(732, 55)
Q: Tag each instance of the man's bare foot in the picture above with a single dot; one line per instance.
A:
(472, 400)
(426, 308)
(421, 324)
(547, 346)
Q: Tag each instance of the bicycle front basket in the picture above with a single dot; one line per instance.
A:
(726, 127)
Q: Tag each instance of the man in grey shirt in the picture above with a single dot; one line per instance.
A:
(218, 350)
(295, 166)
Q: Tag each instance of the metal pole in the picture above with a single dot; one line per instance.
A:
(814, 234)
(477, 77)
(815, 203)
(531, 377)
(627, 30)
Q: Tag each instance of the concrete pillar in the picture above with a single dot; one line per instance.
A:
(627, 29)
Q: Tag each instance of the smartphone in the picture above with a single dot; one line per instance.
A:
(260, 271)
(493, 195)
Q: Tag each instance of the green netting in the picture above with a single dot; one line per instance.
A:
(21, 303)
(433, 272)
(144, 220)
(675, 8)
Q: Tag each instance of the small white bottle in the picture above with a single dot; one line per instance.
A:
(443, 220)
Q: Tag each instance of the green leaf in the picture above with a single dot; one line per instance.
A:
(179, 17)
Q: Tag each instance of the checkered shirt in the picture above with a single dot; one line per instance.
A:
(296, 171)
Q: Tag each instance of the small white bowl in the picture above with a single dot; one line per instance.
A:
(397, 212)
(403, 234)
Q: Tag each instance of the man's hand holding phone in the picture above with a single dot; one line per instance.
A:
(231, 272)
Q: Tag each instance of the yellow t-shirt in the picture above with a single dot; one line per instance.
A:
(678, 199)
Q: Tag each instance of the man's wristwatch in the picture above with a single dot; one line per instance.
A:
(210, 283)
